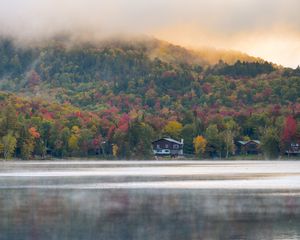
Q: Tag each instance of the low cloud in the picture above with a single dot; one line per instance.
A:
(269, 29)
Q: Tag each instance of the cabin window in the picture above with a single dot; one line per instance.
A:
(176, 146)
(157, 146)
(167, 146)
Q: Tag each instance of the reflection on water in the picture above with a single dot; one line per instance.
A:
(150, 200)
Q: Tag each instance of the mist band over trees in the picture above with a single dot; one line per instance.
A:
(267, 29)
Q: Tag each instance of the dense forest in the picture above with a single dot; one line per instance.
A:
(113, 98)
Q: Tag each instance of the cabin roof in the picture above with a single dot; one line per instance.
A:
(246, 142)
(169, 140)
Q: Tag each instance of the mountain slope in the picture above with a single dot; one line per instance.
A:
(148, 69)
(78, 100)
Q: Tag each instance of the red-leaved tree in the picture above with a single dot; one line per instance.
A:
(289, 131)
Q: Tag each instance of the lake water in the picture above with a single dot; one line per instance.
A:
(150, 200)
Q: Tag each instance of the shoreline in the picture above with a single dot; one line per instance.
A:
(87, 160)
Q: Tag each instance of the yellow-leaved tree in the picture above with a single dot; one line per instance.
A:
(73, 140)
(8, 145)
(199, 145)
(115, 150)
(173, 129)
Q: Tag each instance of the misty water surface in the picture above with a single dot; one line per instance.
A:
(150, 200)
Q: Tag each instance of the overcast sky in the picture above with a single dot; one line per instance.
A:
(264, 28)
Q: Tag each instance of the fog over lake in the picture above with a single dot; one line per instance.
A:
(150, 200)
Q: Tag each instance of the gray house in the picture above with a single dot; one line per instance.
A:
(294, 149)
(167, 147)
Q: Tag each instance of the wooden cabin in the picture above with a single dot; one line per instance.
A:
(248, 147)
(167, 147)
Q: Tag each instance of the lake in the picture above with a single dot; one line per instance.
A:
(144, 200)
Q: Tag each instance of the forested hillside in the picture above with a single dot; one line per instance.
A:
(113, 98)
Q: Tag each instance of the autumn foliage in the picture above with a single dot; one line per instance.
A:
(34, 133)
(127, 94)
(199, 145)
(290, 130)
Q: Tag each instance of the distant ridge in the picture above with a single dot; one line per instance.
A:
(203, 56)
(173, 53)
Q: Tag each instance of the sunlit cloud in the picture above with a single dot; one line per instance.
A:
(278, 44)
